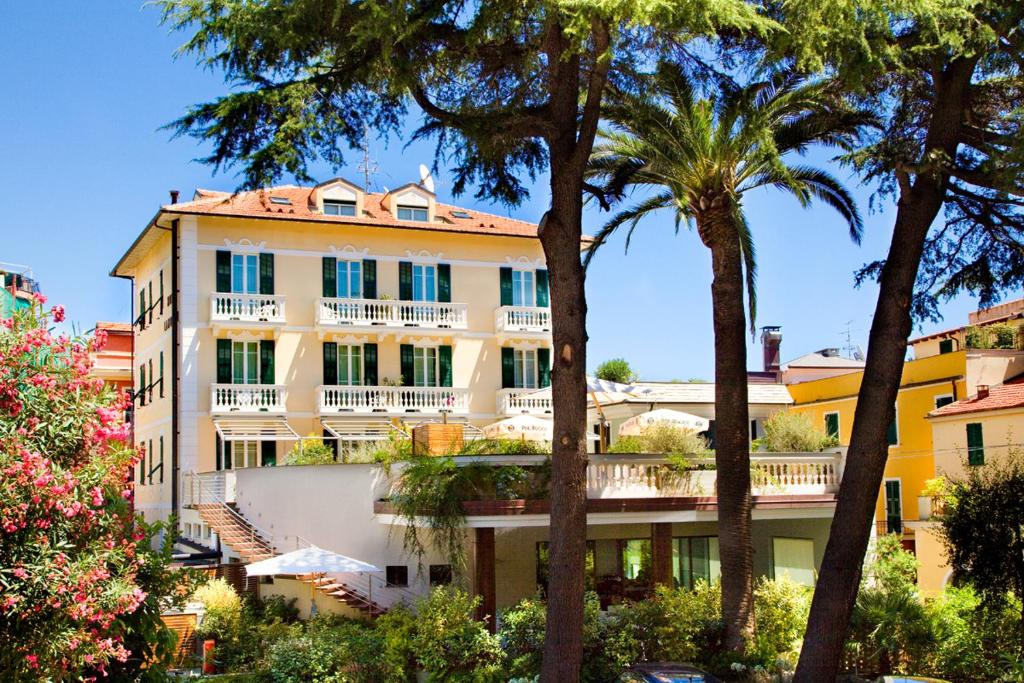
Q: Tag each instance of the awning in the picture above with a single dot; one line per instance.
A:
(311, 560)
(357, 429)
(254, 429)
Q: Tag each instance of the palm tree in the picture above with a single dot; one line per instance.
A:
(698, 156)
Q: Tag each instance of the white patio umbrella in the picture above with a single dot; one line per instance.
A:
(525, 427)
(310, 560)
(677, 418)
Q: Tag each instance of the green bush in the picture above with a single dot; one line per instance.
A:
(522, 639)
(674, 625)
(793, 433)
(223, 610)
(781, 608)
(616, 370)
(310, 451)
(450, 645)
(387, 451)
(663, 439)
(397, 627)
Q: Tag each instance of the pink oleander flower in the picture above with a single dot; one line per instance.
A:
(58, 313)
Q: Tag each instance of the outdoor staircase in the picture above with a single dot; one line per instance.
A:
(236, 531)
(344, 593)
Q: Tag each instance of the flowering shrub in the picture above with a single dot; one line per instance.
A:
(69, 551)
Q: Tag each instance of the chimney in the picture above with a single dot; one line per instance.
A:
(982, 391)
(174, 196)
(771, 341)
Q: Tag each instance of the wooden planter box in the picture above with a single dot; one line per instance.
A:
(437, 439)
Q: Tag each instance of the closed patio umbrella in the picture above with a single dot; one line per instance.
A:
(676, 418)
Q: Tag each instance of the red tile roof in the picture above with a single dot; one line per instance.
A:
(1007, 395)
(114, 327)
(257, 203)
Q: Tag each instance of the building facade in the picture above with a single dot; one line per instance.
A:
(268, 317)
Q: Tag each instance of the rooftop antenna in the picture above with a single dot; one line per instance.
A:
(368, 166)
(850, 349)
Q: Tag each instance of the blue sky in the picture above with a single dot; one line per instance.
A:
(85, 165)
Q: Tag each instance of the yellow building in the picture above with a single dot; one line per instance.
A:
(980, 429)
(946, 367)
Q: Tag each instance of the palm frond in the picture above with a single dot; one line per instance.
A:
(749, 254)
(629, 217)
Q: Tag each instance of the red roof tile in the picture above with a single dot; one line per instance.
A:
(1007, 395)
(257, 203)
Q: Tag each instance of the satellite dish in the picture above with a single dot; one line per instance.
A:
(425, 178)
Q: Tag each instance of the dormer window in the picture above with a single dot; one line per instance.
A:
(336, 207)
(413, 213)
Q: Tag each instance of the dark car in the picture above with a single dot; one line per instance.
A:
(656, 672)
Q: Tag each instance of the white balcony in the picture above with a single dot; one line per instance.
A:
(379, 315)
(633, 476)
(246, 311)
(522, 321)
(255, 399)
(523, 402)
(392, 400)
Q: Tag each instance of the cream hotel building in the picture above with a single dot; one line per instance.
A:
(265, 316)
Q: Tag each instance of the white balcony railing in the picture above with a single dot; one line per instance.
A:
(389, 313)
(248, 398)
(624, 476)
(523, 402)
(251, 308)
(530, 319)
(358, 399)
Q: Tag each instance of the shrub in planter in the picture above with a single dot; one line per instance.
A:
(223, 617)
(310, 451)
(793, 433)
(663, 438)
(450, 645)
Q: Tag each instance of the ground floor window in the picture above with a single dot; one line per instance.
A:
(241, 454)
(636, 559)
(424, 366)
(695, 558)
(544, 563)
(794, 558)
(397, 575)
(440, 574)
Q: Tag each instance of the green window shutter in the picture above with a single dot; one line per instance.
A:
(268, 453)
(223, 271)
(142, 384)
(330, 363)
(142, 309)
(267, 361)
(405, 280)
(330, 277)
(266, 273)
(444, 283)
(975, 444)
(505, 281)
(832, 425)
(223, 361)
(369, 278)
(946, 346)
(408, 371)
(543, 299)
(444, 361)
(370, 365)
(544, 367)
(508, 368)
(892, 434)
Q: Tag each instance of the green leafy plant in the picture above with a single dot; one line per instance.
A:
(781, 607)
(395, 447)
(435, 488)
(222, 606)
(450, 645)
(786, 432)
(661, 438)
(616, 370)
(310, 451)
(994, 336)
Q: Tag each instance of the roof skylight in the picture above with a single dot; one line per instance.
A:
(459, 213)
(281, 200)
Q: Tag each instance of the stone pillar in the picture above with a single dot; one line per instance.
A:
(484, 583)
(661, 553)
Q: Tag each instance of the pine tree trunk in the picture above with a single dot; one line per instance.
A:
(560, 236)
(732, 425)
(919, 205)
